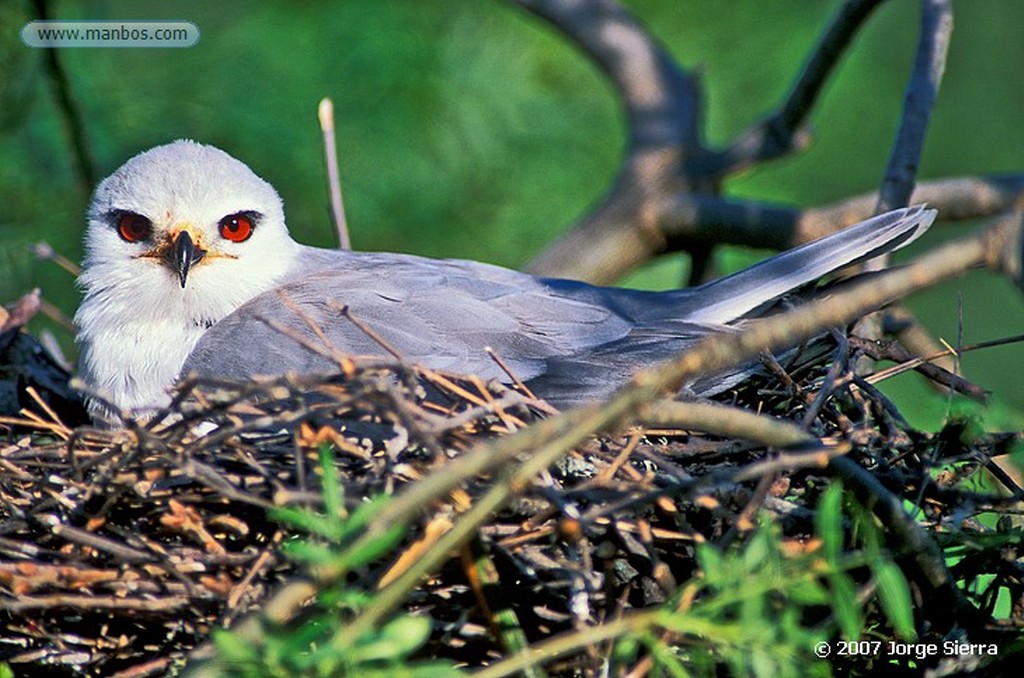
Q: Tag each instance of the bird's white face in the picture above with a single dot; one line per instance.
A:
(186, 223)
(177, 238)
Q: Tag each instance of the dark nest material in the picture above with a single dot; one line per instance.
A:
(120, 551)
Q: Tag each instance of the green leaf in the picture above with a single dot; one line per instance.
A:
(894, 594)
(625, 650)
(408, 632)
(710, 561)
(760, 550)
(829, 523)
(234, 650)
(845, 607)
(310, 553)
(308, 521)
(370, 550)
(396, 640)
(665, 660)
(363, 514)
(432, 669)
(869, 532)
(296, 647)
(333, 492)
(809, 592)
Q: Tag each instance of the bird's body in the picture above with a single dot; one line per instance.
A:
(207, 277)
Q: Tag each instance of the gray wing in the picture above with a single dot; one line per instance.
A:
(739, 294)
(568, 340)
(742, 294)
(441, 314)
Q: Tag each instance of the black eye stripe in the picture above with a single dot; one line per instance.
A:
(252, 215)
(114, 216)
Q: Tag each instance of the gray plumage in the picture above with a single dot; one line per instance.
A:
(567, 340)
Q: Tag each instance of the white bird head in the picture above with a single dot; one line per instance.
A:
(186, 215)
(177, 238)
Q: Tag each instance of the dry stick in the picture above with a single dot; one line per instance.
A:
(918, 102)
(346, 312)
(925, 365)
(782, 132)
(698, 221)
(45, 252)
(680, 216)
(898, 322)
(54, 417)
(84, 537)
(164, 604)
(516, 381)
(723, 420)
(912, 363)
(141, 670)
(565, 643)
(325, 112)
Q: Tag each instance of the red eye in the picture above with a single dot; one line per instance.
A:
(133, 227)
(236, 227)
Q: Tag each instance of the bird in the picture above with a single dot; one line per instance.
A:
(189, 269)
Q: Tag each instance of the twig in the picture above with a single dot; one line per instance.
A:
(840, 362)
(346, 313)
(86, 538)
(54, 417)
(516, 381)
(25, 603)
(45, 252)
(548, 440)
(918, 101)
(899, 322)
(690, 217)
(150, 668)
(908, 361)
(325, 112)
(722, 420)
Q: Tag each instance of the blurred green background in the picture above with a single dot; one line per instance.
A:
(473, 130)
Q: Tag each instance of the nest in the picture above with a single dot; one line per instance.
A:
(120, 551)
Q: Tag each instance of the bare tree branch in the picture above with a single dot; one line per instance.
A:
(1009, 259)
(783, 132)
(662, 101)
(918, 101)
(923, 88)
(662, 105)
(688, 218)
(665, 197)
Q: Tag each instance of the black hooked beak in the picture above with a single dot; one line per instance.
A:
(184, 255)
